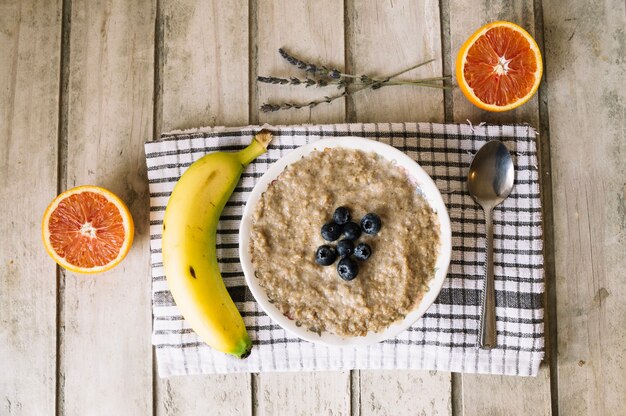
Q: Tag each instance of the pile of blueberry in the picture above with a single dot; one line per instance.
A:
(347, 268)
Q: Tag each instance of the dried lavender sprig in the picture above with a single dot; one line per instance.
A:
(403, 71)
(269, 107)
(414, 83)
(381, 83)
(320, 70)
(319, 83)
(308, 82)
(323, 71)
(309, 67)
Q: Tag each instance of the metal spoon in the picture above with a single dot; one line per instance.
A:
(489, 182)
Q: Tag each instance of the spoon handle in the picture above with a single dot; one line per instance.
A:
(488, 312)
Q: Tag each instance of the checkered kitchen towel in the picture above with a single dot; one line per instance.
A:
(445, 338)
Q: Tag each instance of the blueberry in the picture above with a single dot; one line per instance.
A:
(347, 269)
(331, 231)
(325, 255)
(341, 215)
(362, 251)
(371, 223)
(352, 231)
(345, 248)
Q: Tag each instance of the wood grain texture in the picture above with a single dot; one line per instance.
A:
(205, 64)
(387, 37)
(312, 31)
(516, 395)
(302, 394)
(489, 395)
(108, 361)
(383, 38)
(204, 82)
(30, 45)
(587, 41)
(207, 78)
(204, 395)
(397, 393)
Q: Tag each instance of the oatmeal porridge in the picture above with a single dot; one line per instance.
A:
(286, 234)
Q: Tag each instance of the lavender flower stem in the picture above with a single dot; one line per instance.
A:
(365, 82)
(308, 82)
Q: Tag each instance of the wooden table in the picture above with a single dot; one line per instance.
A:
(84, 83)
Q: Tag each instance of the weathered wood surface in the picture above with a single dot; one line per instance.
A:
(205, 63)
(506, 395)
(586, 70)
(203, 395)
(204, 82)
(107, 351)
(30, 46)
(397, 393)
(208, 56)
(516, 395)
(384, 38)
(302, 394)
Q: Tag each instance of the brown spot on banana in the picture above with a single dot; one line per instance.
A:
(210, 177)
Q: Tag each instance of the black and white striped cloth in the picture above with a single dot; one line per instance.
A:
(445, 338)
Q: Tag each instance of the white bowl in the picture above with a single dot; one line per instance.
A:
(425, 185)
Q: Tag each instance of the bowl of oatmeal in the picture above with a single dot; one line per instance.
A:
(280, 233)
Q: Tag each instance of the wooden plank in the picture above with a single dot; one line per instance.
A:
(312, 31)
(205, 64)
(30, 45)
(108, 364)
(516, 395)
(199, 394)
(387, 37)
(303, 394)
(506, 395)
(204, 82)
(586, 42)
(397, 393)
(383, 38)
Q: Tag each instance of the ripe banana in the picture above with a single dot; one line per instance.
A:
(189, 251)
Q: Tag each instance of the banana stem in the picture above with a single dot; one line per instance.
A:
(258, 146)
(264, 137)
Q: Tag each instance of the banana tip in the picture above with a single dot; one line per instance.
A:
(246, 354)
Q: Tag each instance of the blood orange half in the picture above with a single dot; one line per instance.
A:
(499, 67)
(87, 229)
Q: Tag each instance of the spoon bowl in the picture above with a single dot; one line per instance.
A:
(489, 182)
(491, 174)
